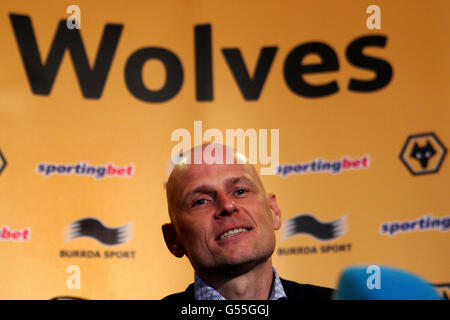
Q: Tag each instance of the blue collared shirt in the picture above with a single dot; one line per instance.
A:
(204, 291)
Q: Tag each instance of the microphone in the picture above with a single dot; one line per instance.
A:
(373, 282)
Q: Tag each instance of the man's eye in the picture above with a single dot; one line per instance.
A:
(199, 202)
(240, 191)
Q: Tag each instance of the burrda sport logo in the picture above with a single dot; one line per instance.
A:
(308, 224)
(91, 227)
(94, 228)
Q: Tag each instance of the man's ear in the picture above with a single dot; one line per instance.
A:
(276, 212)
(171, 239)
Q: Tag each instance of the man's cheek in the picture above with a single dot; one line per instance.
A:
(187, 235)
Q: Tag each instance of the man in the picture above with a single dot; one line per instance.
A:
(224, 222)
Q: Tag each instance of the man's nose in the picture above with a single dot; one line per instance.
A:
(226, 205)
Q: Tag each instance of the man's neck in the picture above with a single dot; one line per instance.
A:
(254, 284)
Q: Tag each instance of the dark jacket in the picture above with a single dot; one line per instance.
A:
(293, 290)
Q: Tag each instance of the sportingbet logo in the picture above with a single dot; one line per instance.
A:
(425, 223)
(7, 234)
(319, 165)
(84, 169)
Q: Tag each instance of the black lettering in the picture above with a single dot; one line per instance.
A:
(250, 88)
(203, 63)
(382, 69)
(135, 83)
(294, 70)
(41, 76)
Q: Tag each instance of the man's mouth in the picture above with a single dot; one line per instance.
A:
(233, 232)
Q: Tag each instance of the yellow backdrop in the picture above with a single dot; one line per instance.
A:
(358, 92)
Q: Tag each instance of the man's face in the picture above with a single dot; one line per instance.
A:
(222, 216)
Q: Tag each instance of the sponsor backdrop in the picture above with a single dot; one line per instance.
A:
(88, 108)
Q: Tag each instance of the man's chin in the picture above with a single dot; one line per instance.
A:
(239, 265)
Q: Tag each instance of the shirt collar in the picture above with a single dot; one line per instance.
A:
(204, 291)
